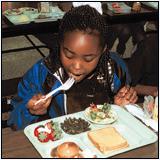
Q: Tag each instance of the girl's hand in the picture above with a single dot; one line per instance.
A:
(126, 95)
(40, 108)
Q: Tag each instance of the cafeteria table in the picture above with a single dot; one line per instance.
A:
(145, 14)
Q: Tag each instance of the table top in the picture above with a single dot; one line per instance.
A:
(16, 145)
(11, 30)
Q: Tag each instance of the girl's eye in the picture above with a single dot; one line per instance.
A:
(89, 58)
(68, 54)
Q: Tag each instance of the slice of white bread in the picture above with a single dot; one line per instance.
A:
(107, 139)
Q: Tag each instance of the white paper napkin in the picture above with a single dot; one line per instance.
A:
(139, 113)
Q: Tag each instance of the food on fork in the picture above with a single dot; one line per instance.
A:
(49, 131)
(107, 139)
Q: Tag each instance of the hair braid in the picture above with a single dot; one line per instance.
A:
(105, 70)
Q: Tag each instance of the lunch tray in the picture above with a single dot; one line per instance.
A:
(28, 17)
(137, 135)
(18, 19)
(123, 8)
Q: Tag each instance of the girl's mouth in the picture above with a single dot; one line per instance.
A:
(77, 77)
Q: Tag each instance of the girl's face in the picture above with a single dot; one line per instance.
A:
(80, 53)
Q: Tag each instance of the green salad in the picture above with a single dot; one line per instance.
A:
(99, 112)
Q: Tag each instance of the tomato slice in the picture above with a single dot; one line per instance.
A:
(52, 136)
(115, 5)
(93, 105)
(36, 132)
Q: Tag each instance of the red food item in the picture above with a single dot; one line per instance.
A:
(43, 136)
(36, 132)
(52, 136)
(115, 5)
(93, 105)
(48, 131)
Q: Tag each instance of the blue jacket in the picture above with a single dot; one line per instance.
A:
(32, 84)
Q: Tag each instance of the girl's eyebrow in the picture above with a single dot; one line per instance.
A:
(69, 50)
(89, 54)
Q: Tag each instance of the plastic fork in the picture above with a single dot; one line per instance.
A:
(64, 86)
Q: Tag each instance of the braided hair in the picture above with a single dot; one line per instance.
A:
(83, 18)
(90, 21)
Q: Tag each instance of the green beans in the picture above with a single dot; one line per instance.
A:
(75, 126)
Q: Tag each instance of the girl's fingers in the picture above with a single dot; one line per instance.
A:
(34, 99)
(134, 98)
(37, 97)
(41, 112)
(131, 95)
(43, 104)
(47, 102)
(120, 101)
(122, 92)
(41, 107)
(38, 112)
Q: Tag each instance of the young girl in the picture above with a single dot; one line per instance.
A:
(81, 53)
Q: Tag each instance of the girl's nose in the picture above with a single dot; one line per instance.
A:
(77, 65)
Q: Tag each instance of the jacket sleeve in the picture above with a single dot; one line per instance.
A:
(30, 85)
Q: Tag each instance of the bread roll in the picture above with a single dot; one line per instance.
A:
(67, 150)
